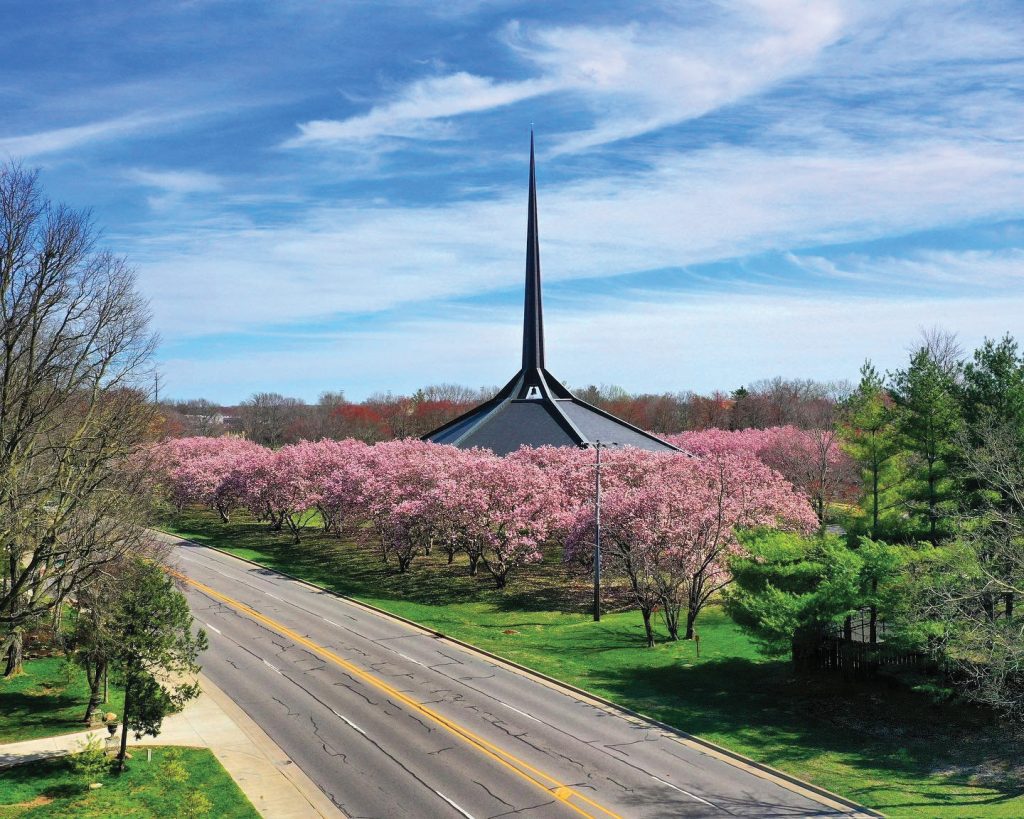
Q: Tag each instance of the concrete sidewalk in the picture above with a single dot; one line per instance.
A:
(273, 783)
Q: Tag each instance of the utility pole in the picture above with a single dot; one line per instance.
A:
(597, 530)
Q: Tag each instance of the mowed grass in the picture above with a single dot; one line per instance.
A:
(48, 699)
(179, 782)
(884, 745)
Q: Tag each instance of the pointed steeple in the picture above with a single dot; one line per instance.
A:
(534, 408)
(533, 317)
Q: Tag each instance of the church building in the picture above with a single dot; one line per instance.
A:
(534, 408)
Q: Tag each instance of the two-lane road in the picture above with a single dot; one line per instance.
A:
(392, 722)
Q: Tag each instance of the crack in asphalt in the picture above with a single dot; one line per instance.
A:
(356, 691)
(323, 742)
(494, 796)
(616, 782)
(428, 728)
(517, 811)
(287, 708)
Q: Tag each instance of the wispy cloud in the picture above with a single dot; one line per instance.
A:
(173, 186)
(63, 139)
(980, 272)
(420, 109)
(633, 78)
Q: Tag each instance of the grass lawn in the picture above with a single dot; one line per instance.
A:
(48, 699)
(180, 782)
(890, 747)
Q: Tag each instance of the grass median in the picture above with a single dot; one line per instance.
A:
(891, 747)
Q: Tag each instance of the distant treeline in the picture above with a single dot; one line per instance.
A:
(272, 419)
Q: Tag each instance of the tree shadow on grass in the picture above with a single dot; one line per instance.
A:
(921, 752)
(356, 571)
(40, 709)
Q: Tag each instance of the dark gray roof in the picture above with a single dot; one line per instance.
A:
(514, 423)
(534, 408)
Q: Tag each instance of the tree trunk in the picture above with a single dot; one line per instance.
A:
(1009, 606)
(404, 560)
(14, 658)
(874, 502)
(96, 678)
(672, 624)
(648, 629)
(128, 704)
(691, 618)
(451, 556)
(848, 629)
(988, 604)
(474, 562)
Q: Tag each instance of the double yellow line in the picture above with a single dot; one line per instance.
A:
(551, 786)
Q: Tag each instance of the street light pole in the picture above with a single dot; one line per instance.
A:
(597, 534)
(597, 526)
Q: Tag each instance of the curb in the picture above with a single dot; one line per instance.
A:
(715, 749)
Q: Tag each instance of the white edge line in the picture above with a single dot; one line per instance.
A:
(331, 622)
(272, 667)
(513, 708)
(212, 628)
(268, 594)
(450, 802)
(348, 722)
(677, 788)
(407, 657)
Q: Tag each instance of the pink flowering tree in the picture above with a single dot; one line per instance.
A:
(295, 489)
(397, 494)
(195, 470)
(340, 499)
(670, 532)
(252, 481)
(811, 459)
(512, 511)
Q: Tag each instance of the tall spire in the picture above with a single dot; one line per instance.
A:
(533, 317)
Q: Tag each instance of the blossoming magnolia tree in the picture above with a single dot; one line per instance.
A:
(399, 495)
(811, 459)
(669, 532)
(193, 470)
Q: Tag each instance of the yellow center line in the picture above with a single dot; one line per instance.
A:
(538, 778)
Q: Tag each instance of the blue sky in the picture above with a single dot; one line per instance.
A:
(325, 195)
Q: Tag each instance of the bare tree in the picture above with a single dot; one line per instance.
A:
(201, 417)
(943, 348)
(270, 418)
(75, 357)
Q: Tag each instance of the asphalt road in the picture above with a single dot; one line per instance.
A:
(392, 722)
